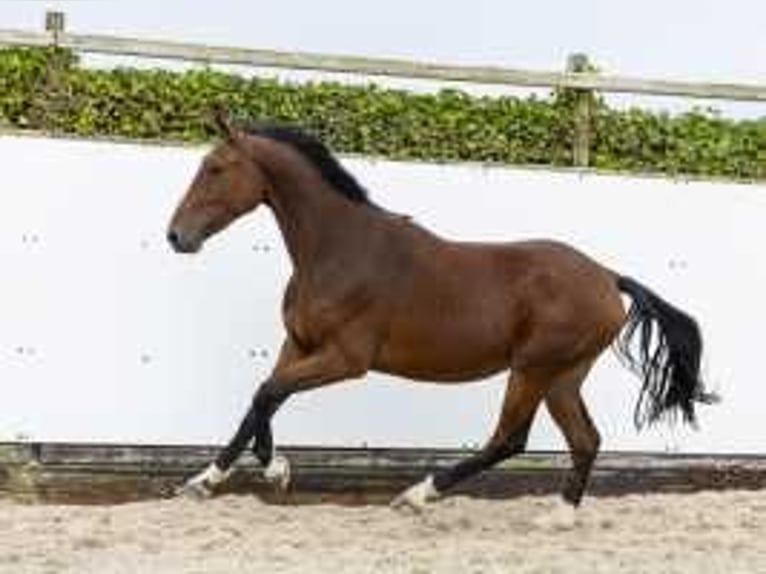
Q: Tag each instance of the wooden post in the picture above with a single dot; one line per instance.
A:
(54, 23)
(577, 63)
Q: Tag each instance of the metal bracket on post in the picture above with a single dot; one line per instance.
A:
(578, 63)
(54, 24)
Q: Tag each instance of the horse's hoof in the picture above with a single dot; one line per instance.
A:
(278, 472)
(404, 503)
(416, 497)
(562, 517)
(200, 485)
(196, 490)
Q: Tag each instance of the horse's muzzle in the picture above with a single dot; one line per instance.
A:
(181, 243)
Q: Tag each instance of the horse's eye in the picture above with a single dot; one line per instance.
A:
(215, 169)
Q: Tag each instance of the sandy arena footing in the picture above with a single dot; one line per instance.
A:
(706, 532)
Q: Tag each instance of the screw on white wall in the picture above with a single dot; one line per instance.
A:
(258, 353)
(26, 351)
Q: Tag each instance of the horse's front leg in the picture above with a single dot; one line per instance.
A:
(295, 372)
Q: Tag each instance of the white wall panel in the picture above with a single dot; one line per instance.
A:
(105, 335)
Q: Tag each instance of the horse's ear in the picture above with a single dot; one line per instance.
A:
(221, 122)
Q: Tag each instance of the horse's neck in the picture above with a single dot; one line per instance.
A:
(316, 222)
(318, 225)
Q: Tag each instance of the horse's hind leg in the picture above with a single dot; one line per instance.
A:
(570, 414)
(522, 398)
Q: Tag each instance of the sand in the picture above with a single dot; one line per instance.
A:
(694, 533)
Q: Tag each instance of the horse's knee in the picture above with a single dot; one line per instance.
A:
(268, 397)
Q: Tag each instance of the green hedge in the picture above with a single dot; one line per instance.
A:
(47, 89)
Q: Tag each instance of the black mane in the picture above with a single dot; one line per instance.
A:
(318, 154)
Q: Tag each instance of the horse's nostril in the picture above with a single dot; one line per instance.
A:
(174, 239)
(183, 242)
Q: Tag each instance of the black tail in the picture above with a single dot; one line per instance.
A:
(667, 357)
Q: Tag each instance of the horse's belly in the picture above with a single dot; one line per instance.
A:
(443, 355)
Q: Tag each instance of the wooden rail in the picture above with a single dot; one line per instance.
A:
(101, 473)
(582, 80)
(576, 76)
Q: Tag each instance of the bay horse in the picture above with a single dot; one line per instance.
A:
(373, 290)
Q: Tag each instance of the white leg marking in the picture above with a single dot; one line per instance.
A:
(562, 517)
(199, 485)
(417, 496)
(278, 471)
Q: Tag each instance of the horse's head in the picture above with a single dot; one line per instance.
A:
(228, 184)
